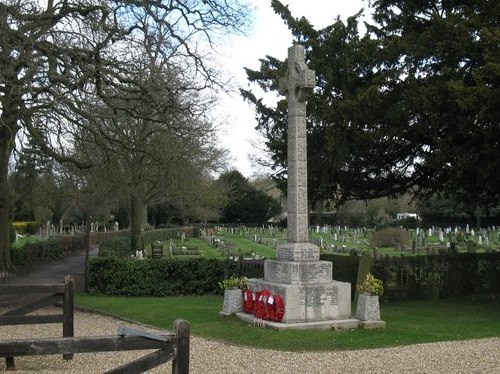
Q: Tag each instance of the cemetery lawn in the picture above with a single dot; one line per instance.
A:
(408, 322)
(26, 239)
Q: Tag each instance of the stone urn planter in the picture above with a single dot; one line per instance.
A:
(368, 308)
(233, 301)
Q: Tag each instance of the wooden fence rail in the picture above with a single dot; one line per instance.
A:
(170, 346)
(51, 294)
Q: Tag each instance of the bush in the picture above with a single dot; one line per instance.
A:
(158, 277)
(345, 268)
(32, 228)
(456, 275)
(12, 234)
(118, 246)
(390, 237)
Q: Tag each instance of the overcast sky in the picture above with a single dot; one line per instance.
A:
(269, 36)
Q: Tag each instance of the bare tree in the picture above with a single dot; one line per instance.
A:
(63, 61)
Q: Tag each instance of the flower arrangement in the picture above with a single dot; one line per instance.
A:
(371, 286)
(234, 282)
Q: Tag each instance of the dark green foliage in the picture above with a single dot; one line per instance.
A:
(163, 214)
(404, 277)
(38, 252)
(32, 228)
(345, 268)
(414, 103)
(12, 234)
(390, 237)
(117, 246)
(365, 267)
(454, 275)
(158, 277)
(245, 203)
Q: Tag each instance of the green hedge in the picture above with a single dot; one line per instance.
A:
(118, 246)
(158, 277)
(436, 276)
(345, 268)
(35, 253)
(403, 277)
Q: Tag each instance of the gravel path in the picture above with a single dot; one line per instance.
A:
(473, 356)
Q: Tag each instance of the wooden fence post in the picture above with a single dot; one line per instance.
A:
(180, 364)
(68, 310)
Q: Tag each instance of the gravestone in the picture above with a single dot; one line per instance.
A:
(297, 274)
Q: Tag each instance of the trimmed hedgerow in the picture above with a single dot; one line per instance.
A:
(158, 277)
(452, 275)
(35, 253)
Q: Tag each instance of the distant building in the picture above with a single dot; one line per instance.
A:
(401, 216)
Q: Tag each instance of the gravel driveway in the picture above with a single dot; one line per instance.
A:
(473, 356)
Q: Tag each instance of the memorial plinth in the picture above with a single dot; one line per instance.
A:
(305, 283)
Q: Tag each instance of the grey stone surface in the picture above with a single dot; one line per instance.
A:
(305, 283)
(310, 302)
(233, 301)
(368, 308)
(297, 252)
(337, 324)
(290, 272)
(298, 81)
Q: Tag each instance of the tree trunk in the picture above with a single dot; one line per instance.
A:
(5, 262)
(136, 218)
(87, 253)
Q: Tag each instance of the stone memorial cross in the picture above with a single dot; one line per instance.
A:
(298, 81)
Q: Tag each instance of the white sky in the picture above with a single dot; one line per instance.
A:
(269, 36)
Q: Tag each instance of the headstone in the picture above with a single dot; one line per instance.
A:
(441, 235)
(297, 274)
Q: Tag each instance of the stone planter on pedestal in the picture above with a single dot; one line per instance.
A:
(233, 301)
(368, 311)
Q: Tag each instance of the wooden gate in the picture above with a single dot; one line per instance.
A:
(169, 346)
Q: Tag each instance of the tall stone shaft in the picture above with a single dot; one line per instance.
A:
(297, 274)
(298, 81)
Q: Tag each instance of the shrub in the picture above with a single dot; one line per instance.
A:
(454, 275)
(38, 252)
(12, 234)
(371, 286)
(32, 228)
(390, 237)
(118, 246)
(157, 277)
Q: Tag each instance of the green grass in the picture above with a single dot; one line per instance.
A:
(27, 239)
(251, 246)
(242, 246)
(409, 322)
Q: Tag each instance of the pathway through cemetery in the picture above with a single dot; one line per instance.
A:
(72, 264)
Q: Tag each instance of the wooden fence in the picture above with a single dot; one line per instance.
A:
(50, 294)
(169, 346)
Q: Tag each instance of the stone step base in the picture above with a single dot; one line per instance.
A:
(372, 324)
(310, 302)
(337, 324)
